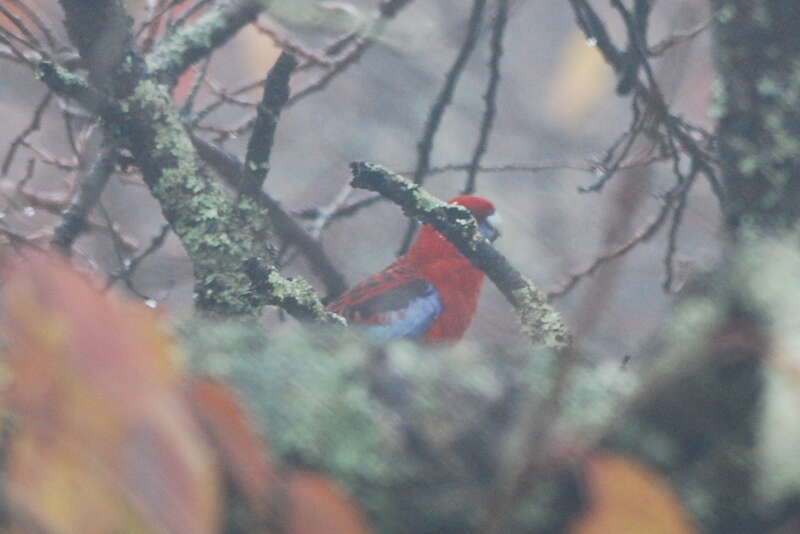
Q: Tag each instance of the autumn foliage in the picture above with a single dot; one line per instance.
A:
(104, 431)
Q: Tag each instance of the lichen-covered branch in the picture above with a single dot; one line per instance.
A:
(759, 126)
(68, 84)
(196, 40)
(220, 236)
(230, 168)
(294, 295)
(539, 320)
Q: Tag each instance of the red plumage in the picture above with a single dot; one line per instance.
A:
(429, 293)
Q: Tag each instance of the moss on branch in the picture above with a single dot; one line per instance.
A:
(197, 39)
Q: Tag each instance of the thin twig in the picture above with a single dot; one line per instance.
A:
(665, 44)
(368, 36)
(9, 40)
(672, 236)
(644, 234)
(440, 103)
(21, 26)
(89, 189)
(34, 125)
(491, 94)
(39, 22)
(49, 159)
(189, 13)
(294, 48)
(129, 266)
(197, 83)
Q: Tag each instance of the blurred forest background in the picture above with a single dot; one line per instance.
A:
(557, 115)
(618, 200)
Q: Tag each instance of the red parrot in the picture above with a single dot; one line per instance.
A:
(430, 293)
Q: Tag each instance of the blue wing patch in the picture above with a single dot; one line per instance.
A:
(405, 311)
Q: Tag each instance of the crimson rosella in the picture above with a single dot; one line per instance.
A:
(430, 293)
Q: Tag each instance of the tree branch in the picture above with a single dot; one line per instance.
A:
(259, 147)
(229, 168)
(194, 41)
(89, 188)
(539, 320)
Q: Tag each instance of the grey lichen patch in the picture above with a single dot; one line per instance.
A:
(289, 293)
(540, 321)
(726, 14)
(66, 77)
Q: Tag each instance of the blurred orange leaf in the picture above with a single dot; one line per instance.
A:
(102, 438)
(629, 498)
(240, 450)
(319, 507)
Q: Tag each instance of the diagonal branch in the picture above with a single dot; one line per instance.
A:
(539, 320)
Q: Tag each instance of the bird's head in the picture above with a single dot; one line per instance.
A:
(489, 221)
(430, 244)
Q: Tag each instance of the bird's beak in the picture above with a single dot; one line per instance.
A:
(490, 227)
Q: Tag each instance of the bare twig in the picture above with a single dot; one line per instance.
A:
(198, 82)
(644, 234)
(89, 188)
(345, 211)
(672, 238)
(21, 26)
(677, 38)
(10, 40)
(34, 125)
(491, 94)
(39, 22)
(259, 147)
(129, 266)
(294, 48)
(387, 10)
(440, 103)
(48, 159)
(189, 13)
